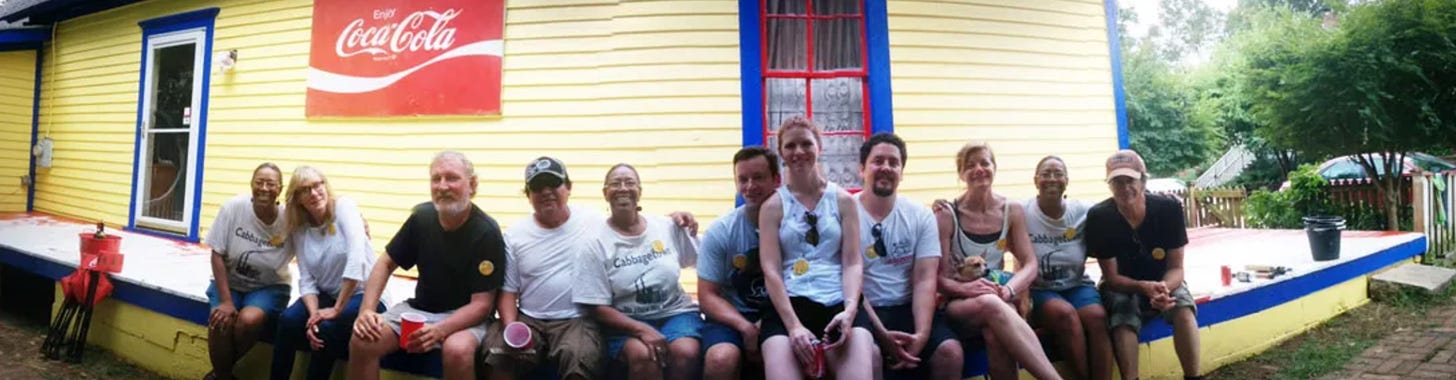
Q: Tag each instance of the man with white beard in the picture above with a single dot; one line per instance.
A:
(461, 256)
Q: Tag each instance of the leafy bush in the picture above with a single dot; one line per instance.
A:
(1308, 194)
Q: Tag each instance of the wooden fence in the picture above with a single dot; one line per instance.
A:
(1432, 204)
(1216, 207)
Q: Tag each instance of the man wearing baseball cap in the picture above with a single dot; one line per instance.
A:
(542, 250)
(1138, 240)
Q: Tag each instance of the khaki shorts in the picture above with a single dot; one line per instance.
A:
(574, 344)
(393, 317)
(1128, 309)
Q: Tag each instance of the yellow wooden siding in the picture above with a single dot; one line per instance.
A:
(17, 89)
(1032, 78)
(594, 83)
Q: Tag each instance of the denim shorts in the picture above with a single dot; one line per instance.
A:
(714, 333)
(684, 325)
(272, 299)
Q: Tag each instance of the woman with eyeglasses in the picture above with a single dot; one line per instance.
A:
(809, 251)
(976, 230)
(629, 281)
(250, 279)
(1063, 297)
(327, 235)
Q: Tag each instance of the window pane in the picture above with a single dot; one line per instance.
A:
(786, 44)
(836, 7)
(172, 86)
(837, 44)
(841, 160)
(167, 178)
(784, 7)
(839, 104)
(785, 99)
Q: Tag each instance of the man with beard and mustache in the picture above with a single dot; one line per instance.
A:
(461, 256)
(902, 259)
(730, 281)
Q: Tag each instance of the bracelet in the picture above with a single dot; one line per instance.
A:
(1012, 290)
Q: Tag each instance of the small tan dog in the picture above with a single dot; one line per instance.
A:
(974, 267)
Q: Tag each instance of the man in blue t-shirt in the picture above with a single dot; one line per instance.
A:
(730, 283)
(1138, 240)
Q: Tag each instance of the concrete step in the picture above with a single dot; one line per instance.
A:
(1429, 279)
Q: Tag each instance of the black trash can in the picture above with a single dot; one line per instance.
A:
(1324, 236)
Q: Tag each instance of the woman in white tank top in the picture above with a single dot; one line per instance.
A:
(809, 251)
(980, 223)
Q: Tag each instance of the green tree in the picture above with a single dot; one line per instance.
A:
(1162, 124)
(1380, 84)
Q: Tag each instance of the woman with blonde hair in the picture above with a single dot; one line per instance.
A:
(977, 229)
(812, 268)
(327, 235)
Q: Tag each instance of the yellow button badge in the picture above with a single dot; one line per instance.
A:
(1159, 254)
(486, 268)
(740, 261)
(801, 267)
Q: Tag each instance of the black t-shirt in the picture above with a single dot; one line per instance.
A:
(452, 265)
(1140, 255)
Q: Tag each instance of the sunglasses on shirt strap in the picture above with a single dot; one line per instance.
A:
(813, 235)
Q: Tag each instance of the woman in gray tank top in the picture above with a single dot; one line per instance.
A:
(980, 224)
(809, 251)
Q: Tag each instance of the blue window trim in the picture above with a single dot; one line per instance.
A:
(750, 65)
(1119, 98)
(751, 71)
(205, 19)
(34, 128)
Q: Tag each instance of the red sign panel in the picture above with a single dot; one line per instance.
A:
(405, 57)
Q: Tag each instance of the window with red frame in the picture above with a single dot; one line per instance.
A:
(814, 64)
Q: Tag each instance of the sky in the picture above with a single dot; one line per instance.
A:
(1148, 15)
(1147, 11)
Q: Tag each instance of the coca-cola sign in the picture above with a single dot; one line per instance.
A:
(405, 57)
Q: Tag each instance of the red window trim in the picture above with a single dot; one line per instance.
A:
(809, 72)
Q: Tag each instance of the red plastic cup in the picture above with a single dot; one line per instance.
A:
(408, 323)
(1228, 275)
(518, 336)
(818, 367)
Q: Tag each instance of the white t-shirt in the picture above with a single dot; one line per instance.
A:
(638, 275)
(909, 233)
(1060, 252)
(541, 264)
(252, 251)
(334, 252)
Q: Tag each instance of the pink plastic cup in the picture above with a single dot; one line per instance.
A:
(518, 336)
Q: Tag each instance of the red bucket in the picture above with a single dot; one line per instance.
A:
(90, 245)
(103, 254)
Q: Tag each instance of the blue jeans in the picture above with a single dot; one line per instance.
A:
(335, 333)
